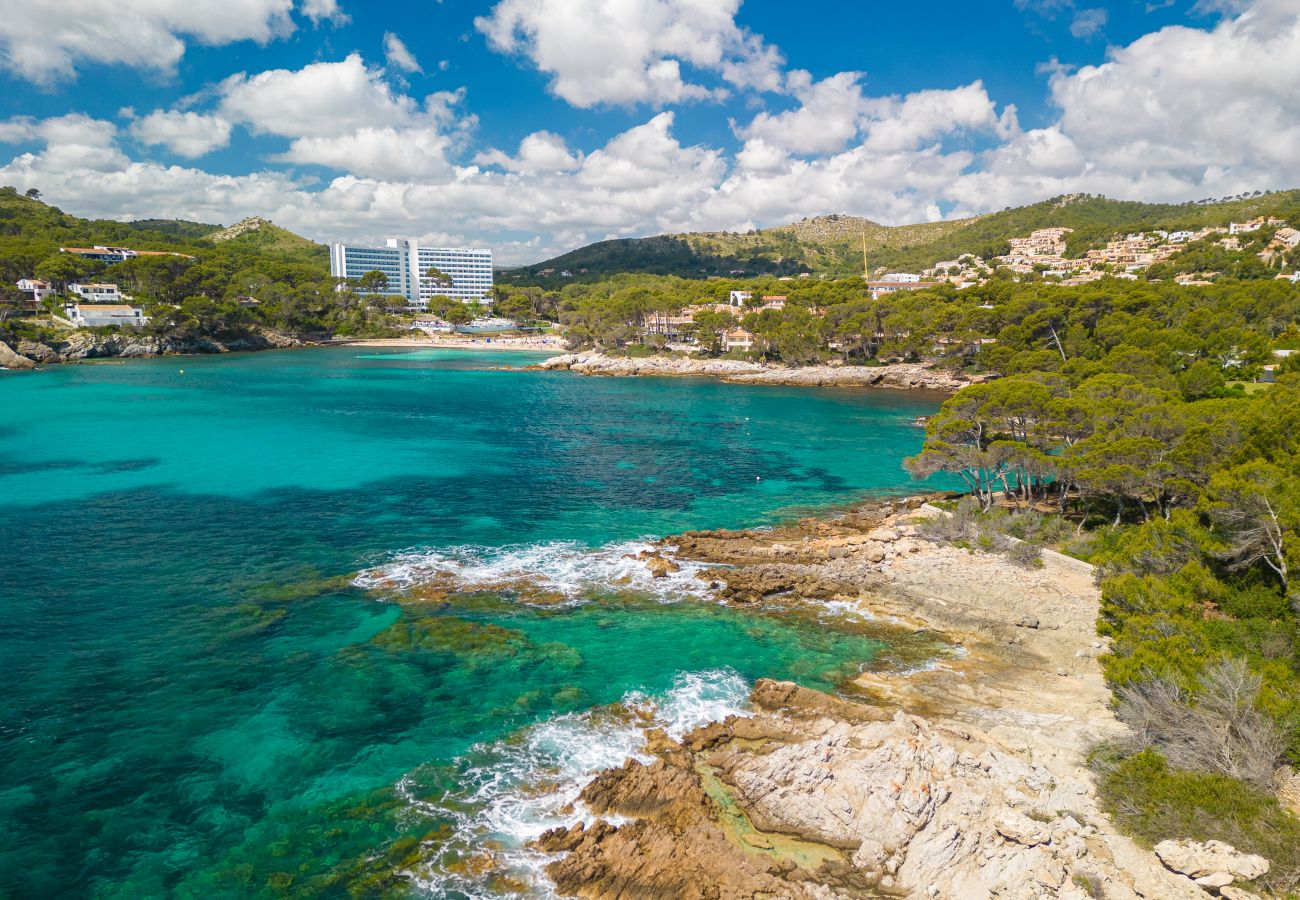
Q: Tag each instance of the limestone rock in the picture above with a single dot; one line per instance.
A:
(1197, 860)
(1020, 829)
(906, 376)
(9, 359)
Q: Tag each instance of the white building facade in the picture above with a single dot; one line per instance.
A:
(406, 264)
(98, 315)
(97, 293)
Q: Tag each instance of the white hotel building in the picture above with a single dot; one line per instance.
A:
(405, 263)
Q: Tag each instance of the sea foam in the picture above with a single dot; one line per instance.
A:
(515, 789)
(565, 567)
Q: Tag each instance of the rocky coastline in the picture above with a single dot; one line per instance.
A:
(966, 780)
(84, 345)
(902, 376)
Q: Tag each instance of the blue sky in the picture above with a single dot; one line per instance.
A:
(534, 126)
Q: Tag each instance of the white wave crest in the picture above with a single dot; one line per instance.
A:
(518, 788)
(564, 567)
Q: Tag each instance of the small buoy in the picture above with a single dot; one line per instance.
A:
(758, 478)
(182, 371)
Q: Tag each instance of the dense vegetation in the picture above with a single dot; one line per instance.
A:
(832, 245)
(202, 294)
(1190, 489)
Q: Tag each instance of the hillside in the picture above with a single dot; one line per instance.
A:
(32, 231)
(266, 236)
(832, 245)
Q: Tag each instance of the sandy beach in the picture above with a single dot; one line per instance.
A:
(534, 344)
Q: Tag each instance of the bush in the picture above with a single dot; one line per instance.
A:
(1152, 801)
(1019, 535)
(1217, 728)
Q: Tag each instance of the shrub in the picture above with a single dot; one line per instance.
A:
(1154, 802)
(1217, 728)
(1020, 536)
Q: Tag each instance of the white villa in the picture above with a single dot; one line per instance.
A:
(98, 315)
(38, 291)
(97, 293)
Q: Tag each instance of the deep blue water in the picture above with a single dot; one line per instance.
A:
(198, 701)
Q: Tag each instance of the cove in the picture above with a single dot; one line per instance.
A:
(199, 699)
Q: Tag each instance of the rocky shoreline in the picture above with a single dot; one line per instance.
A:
(83, 345)
(903, 376)
(964, 780)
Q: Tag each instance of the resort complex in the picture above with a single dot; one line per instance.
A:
(417, 273)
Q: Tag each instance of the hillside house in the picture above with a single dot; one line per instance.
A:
(879, 289)
(97, 293)
(36, 291)
(98, 315)
(101, 254)
(1253, 225)
(1043, 242)
(740, 339)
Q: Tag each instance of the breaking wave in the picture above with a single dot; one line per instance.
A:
(513, 790)
(568, 568)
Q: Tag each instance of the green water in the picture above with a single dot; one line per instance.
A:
(199, 703)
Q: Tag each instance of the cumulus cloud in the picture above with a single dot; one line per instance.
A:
(621, 53)
(398, 56)
(325, 11)
(345, 116)
(45, 46)
(319, 100)
(1179, 114)
(541, 151)
(829, 114)
(187, 134)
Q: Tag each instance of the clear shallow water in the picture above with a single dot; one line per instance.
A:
(199, 701)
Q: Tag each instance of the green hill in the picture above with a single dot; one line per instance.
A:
(257, 233)
(832, 245)
(31, 231)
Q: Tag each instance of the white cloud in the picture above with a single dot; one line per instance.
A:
(187, 134)
(319, 100)
(632, 52)
(541, 151)
(1186, 100)
(45, 45)
(388, 153)
(325, 11)
(828, 116)
(896, 125)
(398, 56)
(1087, 23)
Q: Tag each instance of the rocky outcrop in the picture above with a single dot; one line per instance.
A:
(243, 226)
(1209, 863)
(80, 345)
(12, 360)
(965, 778)
(907, 376)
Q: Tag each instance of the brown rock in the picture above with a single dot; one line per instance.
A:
(801, 702)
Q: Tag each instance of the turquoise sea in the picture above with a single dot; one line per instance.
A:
(346, 622)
